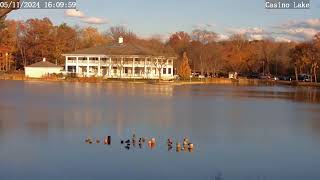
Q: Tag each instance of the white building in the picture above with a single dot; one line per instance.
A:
(42, 69)
(120, 60)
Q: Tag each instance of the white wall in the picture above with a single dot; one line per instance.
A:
(39, 72)
(143, 62)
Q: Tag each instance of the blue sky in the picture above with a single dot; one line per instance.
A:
(161, 17)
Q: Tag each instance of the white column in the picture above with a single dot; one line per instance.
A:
(161, 65)
(66, 64)
(133, 72)
(77, 65)
(121, 66)
(157, 65)
(145, 67)
(88, 66)
(110, 63)
(171, 65)
(99, 73)
(167, 67)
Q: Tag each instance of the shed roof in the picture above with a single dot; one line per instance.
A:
(43, 64)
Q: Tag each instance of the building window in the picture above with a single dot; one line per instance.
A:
(71, 69)
(83, 69)
(139, 61)
(126, 70)
(126, 61)
(169, 70)
(82, 58)
(103, 60)
(164, 71)
(115, 70)
(137, 70)
(72, 58)
(93, 59)
(93, 69)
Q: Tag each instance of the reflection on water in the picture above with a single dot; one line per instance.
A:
(299, 94)
(240, 132)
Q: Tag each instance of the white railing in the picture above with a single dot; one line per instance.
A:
(71, 61)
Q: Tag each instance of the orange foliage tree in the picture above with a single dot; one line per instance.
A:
(184, 70)
(7, 45)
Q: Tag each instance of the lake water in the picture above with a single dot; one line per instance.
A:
(239, 132)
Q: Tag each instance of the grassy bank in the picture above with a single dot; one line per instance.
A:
(223, 81)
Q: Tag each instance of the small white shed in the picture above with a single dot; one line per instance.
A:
(41, 69)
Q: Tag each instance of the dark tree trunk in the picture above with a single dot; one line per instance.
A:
(315, 74)
(311, 73)
(296, 72)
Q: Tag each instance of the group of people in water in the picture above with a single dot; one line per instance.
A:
(186, 145)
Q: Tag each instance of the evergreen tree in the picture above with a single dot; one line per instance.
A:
(184, 70)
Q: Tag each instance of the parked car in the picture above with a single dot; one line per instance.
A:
(275, 78)
(285, 78)
(253, 76)
(233, 75)
(305, 78)
(201, 77)
(223, 75)
(195, 75)
(266, 76)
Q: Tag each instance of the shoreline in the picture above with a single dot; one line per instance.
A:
(219, 81)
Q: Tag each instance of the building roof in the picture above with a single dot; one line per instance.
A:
(43, 64)
(122, 49)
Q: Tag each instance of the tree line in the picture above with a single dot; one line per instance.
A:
(31, 40)
(208, 56)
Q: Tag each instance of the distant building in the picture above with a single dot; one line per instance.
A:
(120, 60)
(42, 69)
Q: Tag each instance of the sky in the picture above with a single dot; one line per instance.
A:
(164, 17)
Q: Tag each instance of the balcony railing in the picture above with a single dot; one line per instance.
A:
(72, 61)
(94, 61)
(82, 61)
(125, 63)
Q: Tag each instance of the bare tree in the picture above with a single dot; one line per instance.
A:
(160, 63)
(121, 31)
(204, 36)
(316, 45)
